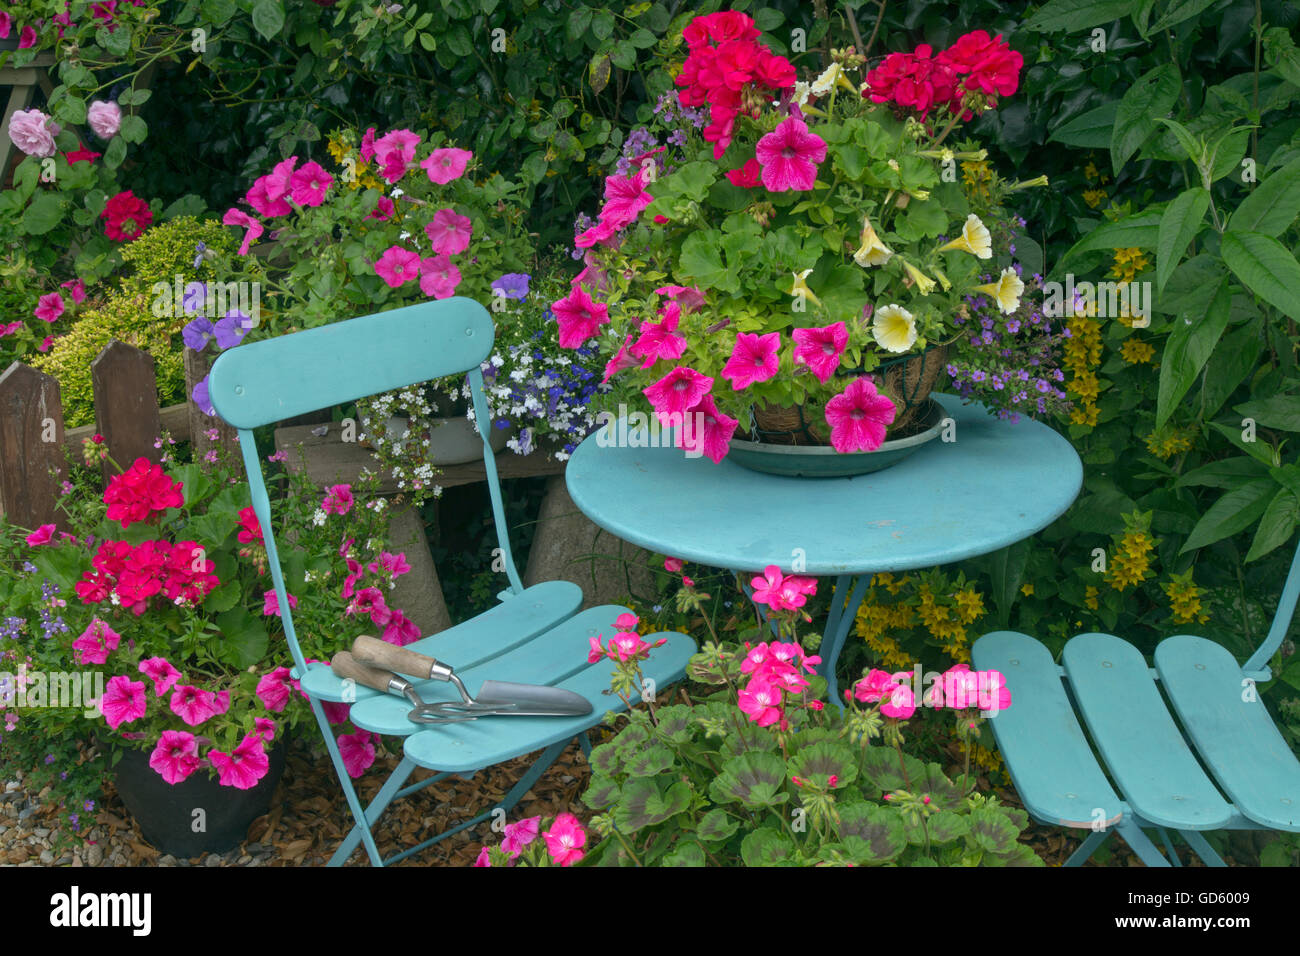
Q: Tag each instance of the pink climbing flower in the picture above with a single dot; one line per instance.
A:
(519, 835)
(162, 673)
(235, 217)
(95, 643)
(42, 535)
(271, 604)
(438, 277)
(338, 500)
(449, 232)
(176, 756)
(123, 701)
(579, 317)
(397, 266)
(444, 165)
(761, 702)
(194, 706)
(49, 307)
(858, 417)
(565, 839)
(820, 349)
(790, 154)
(371, 601)
(308, 186)
(358, 752)
(273, 689)
(754, 359)
(244, 766)
(707, 430)
(677, 393)
(391, 564)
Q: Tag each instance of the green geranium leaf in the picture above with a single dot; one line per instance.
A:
(881, 766)
(224, 597)
(701, 260)
(606, 760)
(879, 830)
(602, 792)
(824, 760)
(716, 825)
(942, 827)
(646, 802)
(768, 847)
(992, 831)
(688, 853)
(754, 779)
(674, 724)
(652, 760)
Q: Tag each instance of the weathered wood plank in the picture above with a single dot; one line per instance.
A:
(126, 404)
(327, 460)
(197, 365)
(31, 447)
(174, 419)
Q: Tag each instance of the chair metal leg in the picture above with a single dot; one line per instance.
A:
(1141, 844)
(539, 767)
(584, 742)
(349, 792)
(1086, 849)
(1201, 847)
(372, 813)
(837, 630)
(1173, 856)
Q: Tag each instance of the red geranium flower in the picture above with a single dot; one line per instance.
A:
(142, 489)
(126, 216)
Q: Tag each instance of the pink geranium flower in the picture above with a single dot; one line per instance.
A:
(397, 266)
(357, 751)
(754, 359)
(761, 702)
(677, 393)
(621, 361)
(748, 176)
(876, 686)
(597, 649)
(123, 701)
(901, 705)
(194, 706)
(444, 165)
(519, 835)
(244, 766)
(438, 277)
(308, 186)
(449, 232)
(49, 307)
(273, 689)
(41, 535)
(781, 593)
(579, 317)
(565, 839)
(858, 417)
(95, 642)
(271, 604)
(163, 675)
(709, 434)
(176, 756)
(820, 349)
(235, 217)
(338, 500)
(789, 155)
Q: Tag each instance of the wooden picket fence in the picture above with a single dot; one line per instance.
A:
(34, 442)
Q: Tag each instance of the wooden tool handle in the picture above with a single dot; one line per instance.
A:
(377, 653)
(345, 666)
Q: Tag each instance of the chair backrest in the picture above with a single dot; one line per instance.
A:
(1257, 666)
(264, 382)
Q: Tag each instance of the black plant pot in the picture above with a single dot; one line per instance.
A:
(166, 814)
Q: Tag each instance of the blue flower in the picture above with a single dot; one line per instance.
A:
(512, 285)
(201, 399)
(231, 328)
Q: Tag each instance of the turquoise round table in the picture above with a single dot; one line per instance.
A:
(988, 484)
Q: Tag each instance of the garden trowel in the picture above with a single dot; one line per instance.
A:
(345, 667)
(494, 699)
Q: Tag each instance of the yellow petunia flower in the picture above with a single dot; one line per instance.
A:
(894, 328)
(873, 252)
(1007, 290)
(975, 239)
(800, 287)
(924, 284)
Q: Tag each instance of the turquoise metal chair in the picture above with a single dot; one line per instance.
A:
(1157, 755)
(535, 635)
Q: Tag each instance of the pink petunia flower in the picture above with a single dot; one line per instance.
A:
(621, 361)
(264, 727)
(244, 766)
(193, 705)
(519, 835)
(397, 266)
(176, 756)
(707, 430)
(438, 277)
(260, 198)
(449, 232)
(625, 197)
(95, 643)
(338, 500)
(820, 349)
(76, 289)
(235, 217)
(357, 751)
(401, 631)
(367, 150)
(483, 859)
(660, 340)
(677, 393)
(383, 209)
(161, 672)
(789, 155)
(271, 604)
(599, 234)
(279, 181)
(858, 417)
(123, 701)
(371, 601)
(565, 839)
(49, 307)
(391, 564)
(688, 297)
(308, 186)
(42, 535)
(754, 359)
(273, 689)
(444, 165)
(394, 152)
(579, 317)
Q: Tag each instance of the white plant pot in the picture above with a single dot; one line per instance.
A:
(452, 441)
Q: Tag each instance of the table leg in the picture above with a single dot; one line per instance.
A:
(838, 624)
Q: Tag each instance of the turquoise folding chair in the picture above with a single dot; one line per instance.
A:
(535, 635)
(1153, 762)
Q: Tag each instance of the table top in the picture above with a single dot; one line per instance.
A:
(994, 484)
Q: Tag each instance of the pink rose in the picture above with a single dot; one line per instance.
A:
(105, 118)
(33, 132)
